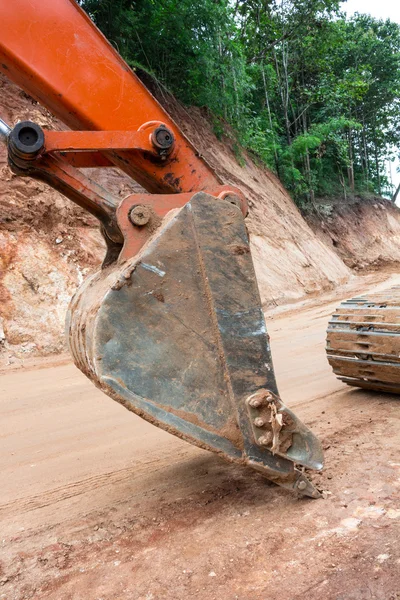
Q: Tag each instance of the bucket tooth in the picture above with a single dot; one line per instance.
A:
(178, 336)
(278, 428)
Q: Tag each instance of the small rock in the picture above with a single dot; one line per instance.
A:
(382, 557)
(212, 574)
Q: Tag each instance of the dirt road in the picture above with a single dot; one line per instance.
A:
(98, 505)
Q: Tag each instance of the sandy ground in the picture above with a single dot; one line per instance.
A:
(96, 504)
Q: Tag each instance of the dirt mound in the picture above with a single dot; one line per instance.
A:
(364, 232)
(48, 245)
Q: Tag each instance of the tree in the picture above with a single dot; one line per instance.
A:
(314, 94)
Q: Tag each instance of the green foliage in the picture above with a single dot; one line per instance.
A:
(315, 95)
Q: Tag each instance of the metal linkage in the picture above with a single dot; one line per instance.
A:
(53, 157)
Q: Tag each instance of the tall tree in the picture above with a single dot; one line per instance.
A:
(315, 95)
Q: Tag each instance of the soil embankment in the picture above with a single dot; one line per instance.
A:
(365, 233)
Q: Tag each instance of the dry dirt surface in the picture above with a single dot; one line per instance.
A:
(365, 233)
(97, 504)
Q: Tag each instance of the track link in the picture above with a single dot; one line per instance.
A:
(363, 341)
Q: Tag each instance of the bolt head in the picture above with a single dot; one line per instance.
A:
(140, 215)
(302, 485)
(162, 138)
(255, 402)
(258, 422)
(265, 440)
(234, 199)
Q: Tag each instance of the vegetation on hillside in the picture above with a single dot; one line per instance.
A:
(314, 94)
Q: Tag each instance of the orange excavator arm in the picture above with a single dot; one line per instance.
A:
(52, 50)
(172, 325)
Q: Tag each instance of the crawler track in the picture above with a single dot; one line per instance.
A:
(363, 341)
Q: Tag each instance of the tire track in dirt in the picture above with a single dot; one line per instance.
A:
(77, 488)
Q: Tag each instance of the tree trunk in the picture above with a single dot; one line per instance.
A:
(394, 197)
(307, 164)
(282, 90)
(366, 158)
(378, 172)
(237, 104)
(222, 76)
(270, 120)
(342, 182)
(350, 168)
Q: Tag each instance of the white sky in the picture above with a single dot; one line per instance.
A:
(380, 9)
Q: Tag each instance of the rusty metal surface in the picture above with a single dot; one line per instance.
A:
(177, 335)
(363, 341)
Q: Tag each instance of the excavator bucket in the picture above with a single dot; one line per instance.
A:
(177, 335)
(172, 325)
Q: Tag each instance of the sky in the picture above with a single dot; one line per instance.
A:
(380, 9)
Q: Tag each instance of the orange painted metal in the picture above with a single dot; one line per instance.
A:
(58, 141)
(54, 52)
(160, 205)
(46, 162)
(85, 160)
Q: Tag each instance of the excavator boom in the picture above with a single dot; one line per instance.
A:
(172, 325)
(53, 51)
